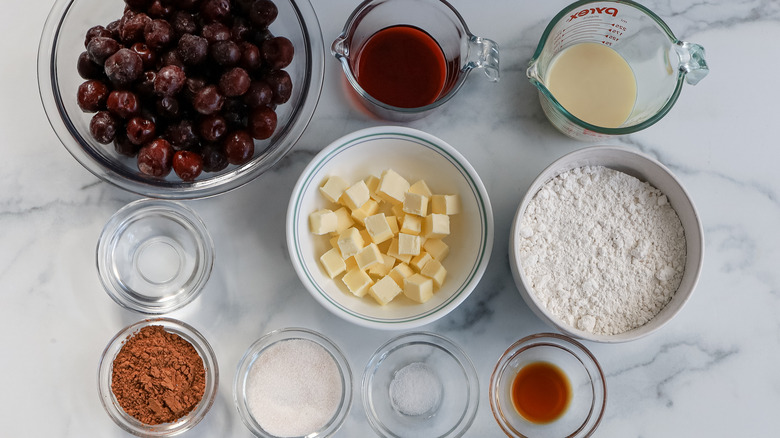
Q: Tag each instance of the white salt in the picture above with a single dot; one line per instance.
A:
(415, 390)
(293, 388)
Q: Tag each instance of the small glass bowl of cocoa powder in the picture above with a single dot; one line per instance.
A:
(158, 377)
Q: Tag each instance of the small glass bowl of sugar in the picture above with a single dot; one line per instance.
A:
(293, 382)
(420, 384)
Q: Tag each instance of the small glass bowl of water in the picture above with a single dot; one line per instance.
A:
(154, 256)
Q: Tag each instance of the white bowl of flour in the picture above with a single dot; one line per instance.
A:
(606, 245)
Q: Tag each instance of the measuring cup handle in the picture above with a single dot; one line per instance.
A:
(483, 53)
(692, 61)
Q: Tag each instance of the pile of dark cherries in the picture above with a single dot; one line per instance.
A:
(185, 84)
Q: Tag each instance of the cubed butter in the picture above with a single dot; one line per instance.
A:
(408, 244)
(398, 210)
(418, 288)
(436, 226)
(415, 203)
(351, 263)
(323, 222)
(368, 209)
(350, 242)
(436, 248)
(333, 263)
(379, 270)
(393, 252)
(400, 272)
(392, 187)
(445, 204)
(355, 195)
(367, 256)
(344, 220)
(333, 188)
(378, 228)
(372, 183)
(357, 282)
(412, 224)
(421, 188)
(435, 271)
(419, 261)
(384, 290)
(392, 222)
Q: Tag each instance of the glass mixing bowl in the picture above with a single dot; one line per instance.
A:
(58, 80)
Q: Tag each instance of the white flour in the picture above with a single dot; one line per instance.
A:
(602, 250)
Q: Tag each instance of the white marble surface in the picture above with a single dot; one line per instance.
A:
(711, 372)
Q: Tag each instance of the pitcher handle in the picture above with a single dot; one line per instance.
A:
(483, 53)
(692, 61)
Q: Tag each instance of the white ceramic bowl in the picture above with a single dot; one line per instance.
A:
(415, 155)
(646, 169)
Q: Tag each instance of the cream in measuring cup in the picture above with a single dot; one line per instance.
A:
(607, 68)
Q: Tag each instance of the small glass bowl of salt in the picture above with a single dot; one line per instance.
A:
(420, 384)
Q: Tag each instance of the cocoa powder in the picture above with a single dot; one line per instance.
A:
(158, 377)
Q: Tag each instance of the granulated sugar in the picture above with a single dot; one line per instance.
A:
(602, 250)
(293, 388)
(415, 389)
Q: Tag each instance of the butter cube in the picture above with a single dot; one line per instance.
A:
(356, 195)
(398, 211)
(415, 204)
(436, 226)
(334, 242)
(421, 188)
(351, 263)
(344, 219)
(412, 224)
(408, 244)
(323, 222)
(372, 183)
(379, 270)
(392, 222)
(436, 248)
(392, 187)
(393, 252)
(445, 204)
(368, 256)
(435, 271)
(419, 261)
(333, 263)
(357, 282)
(366, 237)
(350, 242)
(400, 272)
(368, 209)
(418, 288)
(378, 228)
(384, 290)
(333, 188)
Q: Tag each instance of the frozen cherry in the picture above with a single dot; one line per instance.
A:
(212, 127)
(263, 12)
(225, 53)
(183, 22)
(148, 56)
(92, 96)
(145, 86)
(259, 94)
(159, 10)
(208, 100)
(158, 34)
(239, 147)
(186, 5)
(241, 29)
(124, 67)
(216, 31)
(103, 127)
(123, 146)
(234, 82)
(171, 57)
(182, 135)
(251, 59)
(100, 48)
(123, 103)
(278, 52)
(214, 158)
(192, 49)
(138, 4)
(187, 164)
(168, 107)
(88, 69)
(215, 10)
(170, 80)
(262, 122)
(155, 158)
(131, 27)
(281, 85)
(96, 31)
(235, 113)
(140, 130)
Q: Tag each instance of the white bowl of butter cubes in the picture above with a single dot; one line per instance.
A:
(389, 228)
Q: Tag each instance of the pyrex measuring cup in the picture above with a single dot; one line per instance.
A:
(462, 51)
(659, 61)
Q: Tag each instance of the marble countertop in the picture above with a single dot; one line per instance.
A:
(711, 372)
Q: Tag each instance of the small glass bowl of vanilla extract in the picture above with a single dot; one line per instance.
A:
(548, 385)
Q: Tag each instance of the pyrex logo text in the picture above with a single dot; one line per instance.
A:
(611, 11)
